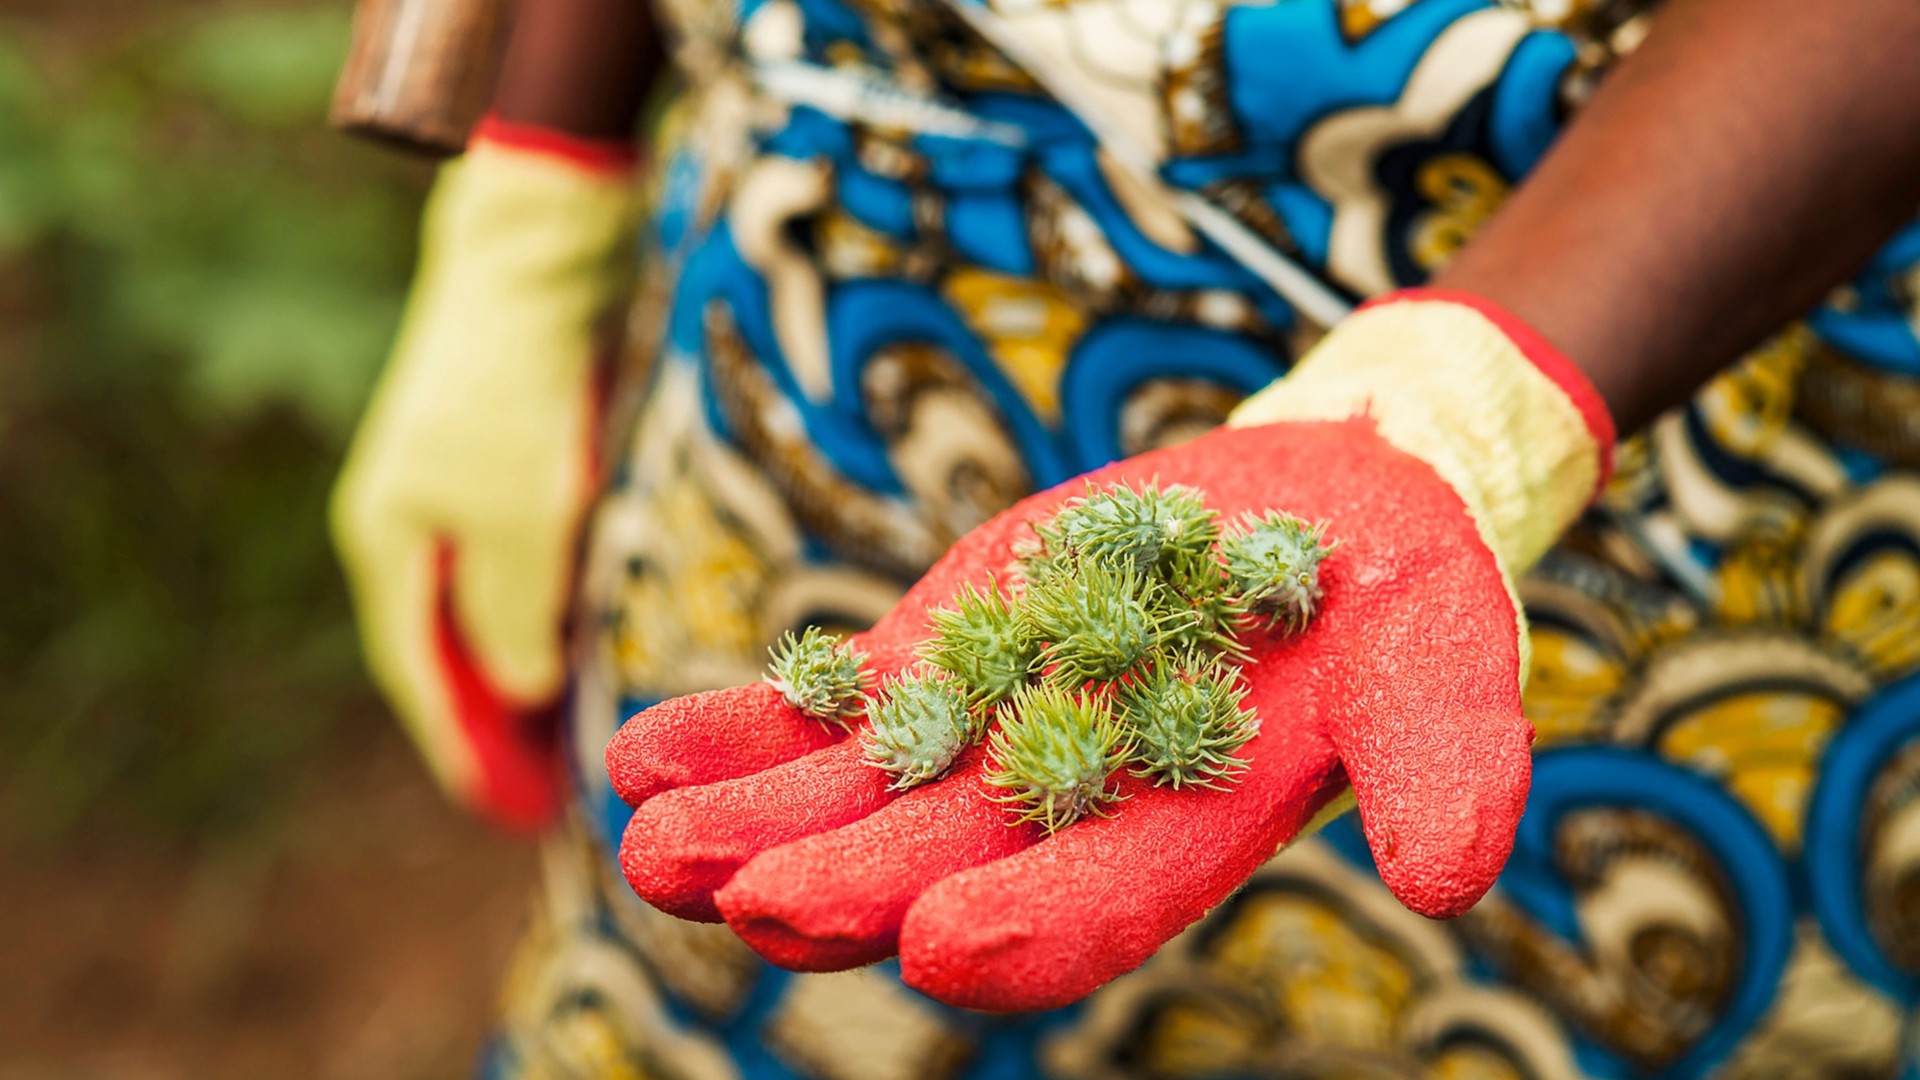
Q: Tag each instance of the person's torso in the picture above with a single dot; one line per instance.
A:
(878, 316)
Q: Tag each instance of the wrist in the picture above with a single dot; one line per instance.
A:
(579, 67)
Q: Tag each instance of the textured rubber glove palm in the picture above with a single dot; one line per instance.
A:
(457, 512)
(1406, 687)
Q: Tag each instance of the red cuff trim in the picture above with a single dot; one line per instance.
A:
(611, 157)
(1550, 361)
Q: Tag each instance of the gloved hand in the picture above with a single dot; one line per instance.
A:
(457, 512)
(1444, 446)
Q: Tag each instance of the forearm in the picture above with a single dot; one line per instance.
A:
(1747, 158)
(580, 67)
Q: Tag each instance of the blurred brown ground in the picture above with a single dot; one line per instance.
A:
(364, 940)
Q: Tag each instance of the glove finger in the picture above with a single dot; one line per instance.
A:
(493, 753)
(710, 737)
(512, 582)
(706, 738)
(1047, 926)
(682, 845)
(1424, 710)
(835, 900)
(519, 783)
(392, 570)
(723, 734)
(1439, 808)
(494, 756)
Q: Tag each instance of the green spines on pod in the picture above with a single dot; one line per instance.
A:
(1136, 588)
(1275, 566)
(1142, 530)
(1188, 719)
(1208, 610)
(985, 642)
(1053, 752)
(919, 726)
(1098, 620)
(820, 675)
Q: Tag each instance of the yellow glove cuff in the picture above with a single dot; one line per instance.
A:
(1505, 420)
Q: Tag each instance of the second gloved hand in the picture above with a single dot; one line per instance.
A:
(458, 509)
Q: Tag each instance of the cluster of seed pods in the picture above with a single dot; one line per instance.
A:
(1116, 644)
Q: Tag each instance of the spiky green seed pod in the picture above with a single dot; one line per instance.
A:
(1098, 621)
(985, 642)
(820, 675)
(1210, 612)
(1274, 562)
(1144, 530)
(1188, 718)
(919, 726)
(1053, 753)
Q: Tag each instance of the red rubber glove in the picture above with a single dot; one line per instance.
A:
(1405, 686)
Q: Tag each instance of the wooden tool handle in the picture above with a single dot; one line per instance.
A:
(420, 72)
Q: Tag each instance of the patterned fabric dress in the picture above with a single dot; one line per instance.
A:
(897, 282)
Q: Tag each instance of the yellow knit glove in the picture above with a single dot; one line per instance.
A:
(1507, 421)
(459, 506)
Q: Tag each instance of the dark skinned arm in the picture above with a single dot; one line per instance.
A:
(581, 67)
(1748, 157)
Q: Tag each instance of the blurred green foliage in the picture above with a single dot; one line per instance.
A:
(197, 283)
